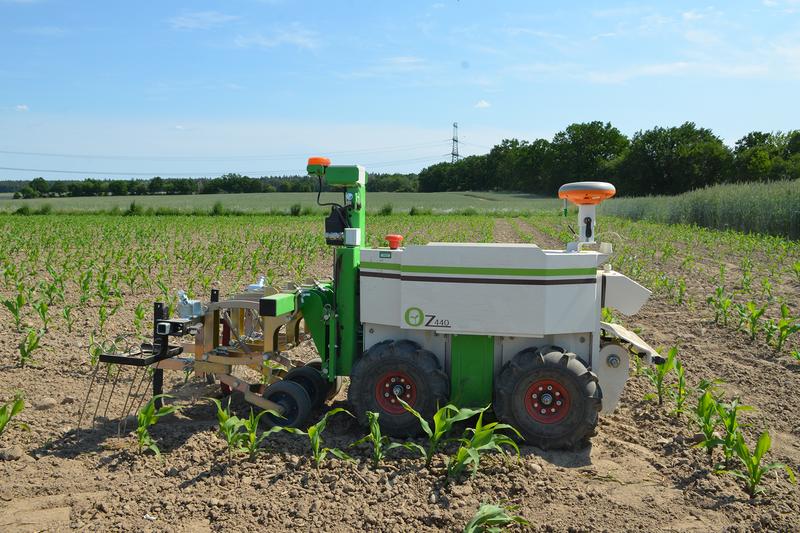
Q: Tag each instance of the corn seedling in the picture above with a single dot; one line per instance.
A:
(42, 309)
(728, 417)
(795, 355)
(766, 288)
(138, 318)
(229, 426)
(492, 518)
(443, 421)
(796, 270)
(787, 326)
(30, 343)
(721, 305)
(477, 441)
(770, 328)
(740, 312)
(657, 376)
(250, 439)
(314, 435)
(679, 392)
(9, 411)
(753, 472)
(681, 296)
(15, 308)
(146, 418)
(754, 315)
(705, 415)
(380, 443)
(66, 313)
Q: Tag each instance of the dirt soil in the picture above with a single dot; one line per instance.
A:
(640, 473)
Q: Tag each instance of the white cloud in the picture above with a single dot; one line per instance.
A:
(692, 15)
(200, 20)
(482, 104)
(295, 35)
(21, 107)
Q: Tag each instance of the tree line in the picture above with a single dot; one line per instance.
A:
(656, 161)
(229, 183)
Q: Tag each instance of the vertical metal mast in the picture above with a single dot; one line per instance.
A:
(454, 153)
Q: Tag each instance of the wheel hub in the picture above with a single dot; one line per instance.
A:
(392, 386)
(547, 401)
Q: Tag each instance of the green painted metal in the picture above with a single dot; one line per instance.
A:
(317, 305)
(341, 175)
(284, 303)
(471, 370)
(490, 271)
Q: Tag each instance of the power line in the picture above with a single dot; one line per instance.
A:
(227, 158)
(189, 174)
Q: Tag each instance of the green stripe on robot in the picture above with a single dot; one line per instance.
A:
(488, 271)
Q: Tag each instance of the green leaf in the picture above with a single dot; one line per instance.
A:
(762, 447)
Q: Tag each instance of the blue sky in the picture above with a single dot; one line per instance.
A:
(197, 88)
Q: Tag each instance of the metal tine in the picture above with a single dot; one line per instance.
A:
(113, 388)
(138, 394)
(100, 399)
(88, 393)
(125, 406)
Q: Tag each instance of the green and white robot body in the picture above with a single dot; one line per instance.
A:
(507, 324)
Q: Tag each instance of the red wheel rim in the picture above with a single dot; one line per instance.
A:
(393, 385)
(547, 401)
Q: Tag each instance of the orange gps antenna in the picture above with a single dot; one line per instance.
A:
(587, 195)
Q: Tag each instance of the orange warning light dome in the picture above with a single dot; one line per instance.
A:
(321, 161)
(586, 192)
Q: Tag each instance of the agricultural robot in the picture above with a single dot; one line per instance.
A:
(470, 324)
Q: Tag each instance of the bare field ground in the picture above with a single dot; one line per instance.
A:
(641, 472)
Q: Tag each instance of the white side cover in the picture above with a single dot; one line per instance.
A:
(623, 294)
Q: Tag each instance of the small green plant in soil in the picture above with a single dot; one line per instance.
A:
(727, 413)
(721, 305)
(787, 326)
(679, 393)
(30, 343)
(228, 425)
(753, 472)
(754, 315)
(481, 439)
(42, 309)
(250, 439)
(146, 418)
(705, 415)
(66, 314)
(10, 410)
(14, 307)
(493, 517)
(314, 434)
(380, 443)
(443, 421)
(658, 375)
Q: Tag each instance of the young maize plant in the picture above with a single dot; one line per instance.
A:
(657, 376)
(477, 441)
(754, 315)
(30, 343)
(42, 309)
(787, 326)
(705, 415)
(796, 270)
(443, 421)
(380, 443)
(680, 392)
(10, 410)
(753, 472)
(229, 426)
(721, 305)
(250, 439)
(491, 518)
(728, 417)
(314, 434)
(66, 314)
(15, 308)
(146, 418)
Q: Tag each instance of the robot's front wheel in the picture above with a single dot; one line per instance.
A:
(550, 397)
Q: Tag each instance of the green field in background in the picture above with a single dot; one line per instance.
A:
(282, 201)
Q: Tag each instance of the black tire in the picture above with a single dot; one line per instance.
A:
(312, 381)
(530, 386)
(392, 366)
(295, 401)
(333, 386)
